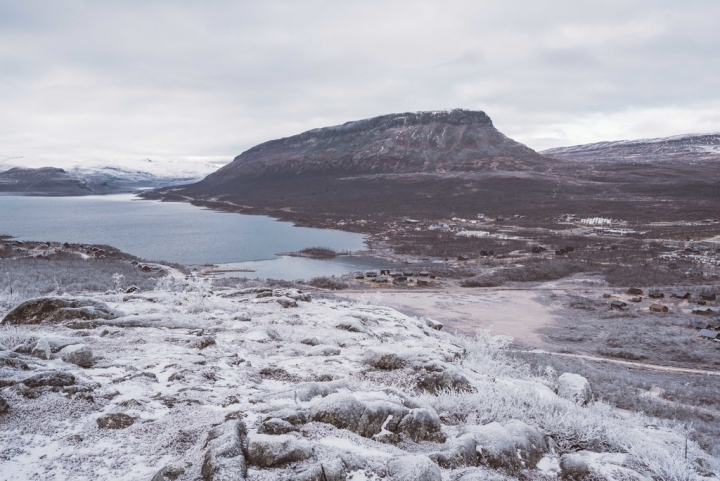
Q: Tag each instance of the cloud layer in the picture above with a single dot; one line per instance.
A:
(206, 80)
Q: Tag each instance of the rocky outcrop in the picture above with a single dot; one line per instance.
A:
(435, 377)
(42, 349)
(57, 309)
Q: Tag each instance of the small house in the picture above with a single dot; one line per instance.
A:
(371, 274)
(708, 296)
(384, 272)
(708, 334)
(620, 305)
(359, 275)
(658, 308)
(395, 274)
(537, 249)
(463, 257)
(636, 299)
(656, 294)
(401, 279)
(680, 295)
(634, 291)
(702, 311)
(423, 282)
(701, 325)
(424, 274)
(381, 279)
(500, 218)
(408, 273)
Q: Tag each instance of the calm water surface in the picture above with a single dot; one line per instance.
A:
(178, 232)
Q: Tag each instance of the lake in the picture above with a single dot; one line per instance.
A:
(180, 232)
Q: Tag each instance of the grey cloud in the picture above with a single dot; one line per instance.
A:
(206, 80)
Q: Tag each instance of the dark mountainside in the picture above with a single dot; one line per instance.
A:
(434, 165)
(47, 181)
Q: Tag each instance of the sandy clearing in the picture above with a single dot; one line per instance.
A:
(515, 313)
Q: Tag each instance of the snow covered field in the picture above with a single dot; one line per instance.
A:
(191, 383)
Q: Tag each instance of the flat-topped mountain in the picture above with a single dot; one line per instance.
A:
(454, 140)
(432, 165)
(677, 149)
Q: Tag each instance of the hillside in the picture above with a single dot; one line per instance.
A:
(185, 382)
(97, 179)
(681, 149)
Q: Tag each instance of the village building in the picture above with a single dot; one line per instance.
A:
(656, 294)
(620, 305)
(634, 291)
(708, 296)
(703, 311)
(708, 334)
(658, 308)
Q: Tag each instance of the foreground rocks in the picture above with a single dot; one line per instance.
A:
(234, 386)
(57, 309)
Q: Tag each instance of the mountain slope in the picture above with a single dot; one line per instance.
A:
(95, 179)
(679, 149)
(456, 140)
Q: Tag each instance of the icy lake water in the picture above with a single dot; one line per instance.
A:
(182, 233)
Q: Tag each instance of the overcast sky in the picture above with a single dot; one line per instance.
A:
(206, 80)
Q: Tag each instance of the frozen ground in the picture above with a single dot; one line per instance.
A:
(189, 383)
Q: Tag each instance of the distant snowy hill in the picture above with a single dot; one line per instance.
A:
(678, 149)
(22, 176)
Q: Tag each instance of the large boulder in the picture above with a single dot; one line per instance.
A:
(422, 424)
(495, 447)
(78, 354)
(57, 309)
(268, 451)
(4, 406)
(588, 465)
(575, 388)
(529, 442)
(414, 467)
(332, 470)
(224, 459)
(457, 452)
(115, 421)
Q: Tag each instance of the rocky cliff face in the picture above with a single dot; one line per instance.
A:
(681, 149)
(455, 140)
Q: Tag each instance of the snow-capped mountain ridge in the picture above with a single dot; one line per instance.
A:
(676, 149)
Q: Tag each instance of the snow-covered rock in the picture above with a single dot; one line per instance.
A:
(224, 458)
(415, 467)
(42, 349)
(575, 388)
(58, 309)
(79, 354)
(267, 451)
(585, 465)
